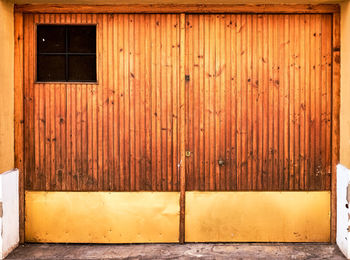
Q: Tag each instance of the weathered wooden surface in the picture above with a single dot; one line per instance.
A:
(120, 134)
(259, 100)
(178, 8)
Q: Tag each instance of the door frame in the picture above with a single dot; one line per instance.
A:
(182, 9)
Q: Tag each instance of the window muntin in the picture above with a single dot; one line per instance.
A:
(66, 53)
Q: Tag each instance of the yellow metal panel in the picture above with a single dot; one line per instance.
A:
(258, 216)
(102, 217)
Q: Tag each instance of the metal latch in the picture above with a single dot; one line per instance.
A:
(188, 153)
(187, 77)
(221, 162)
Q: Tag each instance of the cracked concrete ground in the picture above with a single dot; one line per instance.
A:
(177, 251)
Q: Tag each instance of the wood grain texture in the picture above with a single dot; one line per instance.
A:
(335, 142)
(178, 8)
(182, 129)
(119, 134)
(258, 101)
(19, 116)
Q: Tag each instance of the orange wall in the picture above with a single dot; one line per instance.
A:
(6, 86)
(345, 86)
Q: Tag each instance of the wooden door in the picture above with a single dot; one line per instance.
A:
(119, 134)
(259, 102)
(258, 112)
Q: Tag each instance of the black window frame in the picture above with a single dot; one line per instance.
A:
(66, 54)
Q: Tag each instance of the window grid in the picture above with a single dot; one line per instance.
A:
(67, 54)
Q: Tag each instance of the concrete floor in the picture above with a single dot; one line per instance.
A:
(176, 251)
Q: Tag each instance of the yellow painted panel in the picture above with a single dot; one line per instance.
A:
(6, 86)
(102, 217)
(257, 216)
(345, 83)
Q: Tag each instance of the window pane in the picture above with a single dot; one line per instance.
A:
(51, 67)
(51, 38)
(82, 67)
(82, 39)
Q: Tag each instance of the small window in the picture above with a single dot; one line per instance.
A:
(66, 53)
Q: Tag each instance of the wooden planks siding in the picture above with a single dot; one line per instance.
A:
(259, 98)
(119, 134)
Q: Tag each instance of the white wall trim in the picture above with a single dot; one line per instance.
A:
(9, 222)
(343, 211)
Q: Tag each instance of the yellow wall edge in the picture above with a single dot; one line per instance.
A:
(102, 217)
(257, 216)
(345, 85)
(6, 86)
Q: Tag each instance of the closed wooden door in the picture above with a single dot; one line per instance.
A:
(258, 102)
(258, 105)
(257, 94)
(118, 134)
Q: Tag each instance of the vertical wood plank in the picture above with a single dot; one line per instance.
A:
(271, 88)
(29, 102)
(281, 108)
(154, 45)
(233, 115)
(296, 116)
(19, 115)
(255, 98)
(116, 98)
(302, 98)
(307, 103)
(148, 104)
(228, 106)
(206, 86)
(335, 120)
(182, 125)
(238, 57)
(37, 125)
(201, 96)
(99, 105)
(244, 97)
(318, 111)
(140, 102)
(266, 80)
(249, 112)
(329, 103)
(158, 113)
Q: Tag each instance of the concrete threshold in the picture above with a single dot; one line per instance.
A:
(178, 251)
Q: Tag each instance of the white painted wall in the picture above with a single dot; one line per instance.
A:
(9, 223)
(343, 211)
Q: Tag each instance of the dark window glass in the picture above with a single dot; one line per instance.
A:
(66, 53)
(82, 39)
(82, 67)
(51, 39)
(51, 67)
